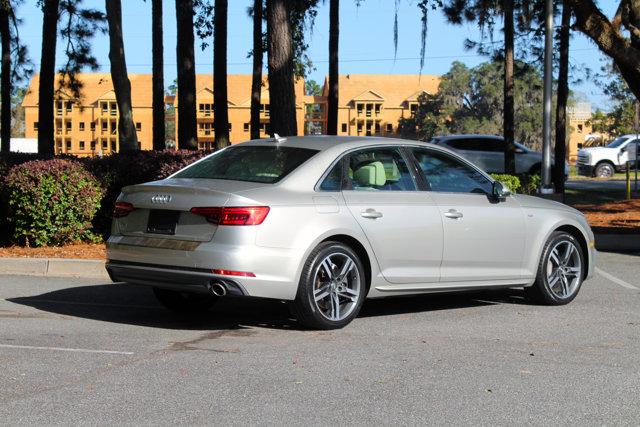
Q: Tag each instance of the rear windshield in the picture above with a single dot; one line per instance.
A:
(252, 164)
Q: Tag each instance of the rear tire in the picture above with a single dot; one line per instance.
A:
(184, 302)
(332, 287)
(560, 271)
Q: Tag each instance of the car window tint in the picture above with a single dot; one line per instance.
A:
(379, 170)
(447, 174)
(249, 163)
(476, 144)
(333, 180)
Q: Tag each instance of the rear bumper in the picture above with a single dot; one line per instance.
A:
(174, 278)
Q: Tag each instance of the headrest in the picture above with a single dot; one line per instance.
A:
(371, 175)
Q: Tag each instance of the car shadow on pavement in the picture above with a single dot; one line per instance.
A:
(136, 305)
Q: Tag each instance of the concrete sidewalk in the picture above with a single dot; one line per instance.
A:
(54, 267)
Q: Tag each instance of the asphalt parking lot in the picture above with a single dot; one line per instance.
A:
(82, 351)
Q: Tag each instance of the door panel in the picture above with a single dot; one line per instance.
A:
(407, 238)
(486, 242)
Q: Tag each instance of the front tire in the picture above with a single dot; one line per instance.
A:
(560, 271)
(604, 170)
(184, 302)
(332, 287)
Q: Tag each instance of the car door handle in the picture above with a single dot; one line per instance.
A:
(371, 213)
(454, 214)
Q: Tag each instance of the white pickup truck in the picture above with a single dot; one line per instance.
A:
(603, 162)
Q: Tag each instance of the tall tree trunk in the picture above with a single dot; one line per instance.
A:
(5, 119)
(121, 84)
(220, 101)
(334, 34)
(158, 76)
(256, 82)
(187, 122)
(509, 128)
(47, 77)
(561, 107)
(281, 78)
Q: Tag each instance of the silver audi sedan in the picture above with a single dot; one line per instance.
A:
(324, 222)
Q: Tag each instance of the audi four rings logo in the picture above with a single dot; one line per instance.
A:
(161, 199)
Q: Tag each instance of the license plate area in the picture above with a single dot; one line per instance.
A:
(162, 222)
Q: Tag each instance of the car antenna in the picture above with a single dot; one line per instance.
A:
(278, 139)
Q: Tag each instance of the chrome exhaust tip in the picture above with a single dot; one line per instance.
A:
(217, 289)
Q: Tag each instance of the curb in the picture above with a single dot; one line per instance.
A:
(618, 242)
(54, 267)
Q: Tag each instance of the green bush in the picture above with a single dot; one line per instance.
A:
(51, 202)
(530, 184)
(511, 181)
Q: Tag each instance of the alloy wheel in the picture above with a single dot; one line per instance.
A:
(337, 286)
(564, 269)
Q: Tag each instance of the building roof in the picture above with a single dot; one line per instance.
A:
(239, 88)
(97, 86)
(394, 90)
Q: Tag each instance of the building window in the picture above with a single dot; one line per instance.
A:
(413, 108)
(114, 127)
(245, 127)
(93, 145)
(69, 106)
(113, 145)
(359, 108)
(93, 126)
(138, 126)
(59, 146)
(105, 126)
(344, 128)
(68, 144)
(105, 107)
(105, 144)
(35, 126)
(59, 108)
(81, 145)
(114, 108)
(389, 128)
(67, 126)
(81, 126)
(580, 128)
(377, 109)
(265, 109)
(377, 128)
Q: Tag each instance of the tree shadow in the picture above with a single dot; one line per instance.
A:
(135, 305)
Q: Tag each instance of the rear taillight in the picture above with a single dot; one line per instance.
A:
(250, 215)
(122, 209)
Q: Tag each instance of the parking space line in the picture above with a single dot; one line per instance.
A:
(74, 350)
(614, 279)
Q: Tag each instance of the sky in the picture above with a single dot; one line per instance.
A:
(366, 41)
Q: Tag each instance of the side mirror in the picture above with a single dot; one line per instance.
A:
(500, 192)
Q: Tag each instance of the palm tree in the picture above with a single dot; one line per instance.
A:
(334, 34)
(563, 96)
(5, 115)
(187, 132)
(158, 76)
(220, 102)
(121, 84)
(281, 69)
(51, 11)
(256, 82)
(509, 93)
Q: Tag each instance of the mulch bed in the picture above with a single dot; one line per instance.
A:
(80, 251)
(613, 217)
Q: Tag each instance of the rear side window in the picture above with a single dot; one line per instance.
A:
(249, 163)
(476, 144)
(333, 180)
(381, 169)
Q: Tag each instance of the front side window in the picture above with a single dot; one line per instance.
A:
(447, 174)
(380, 169)
(249, 163)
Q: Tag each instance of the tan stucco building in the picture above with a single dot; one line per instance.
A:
(373, 104)
(90, 126)
(239, 103)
